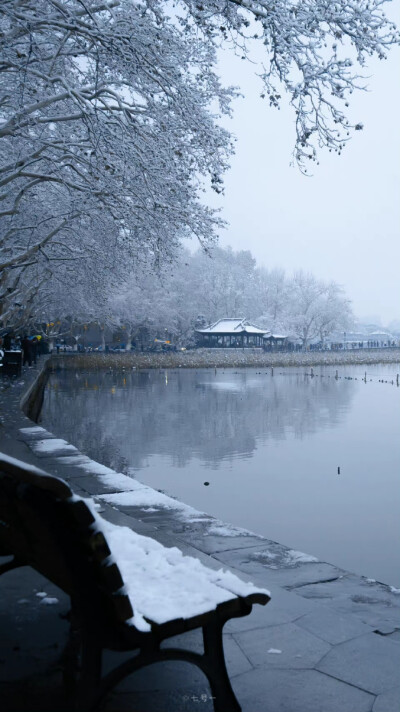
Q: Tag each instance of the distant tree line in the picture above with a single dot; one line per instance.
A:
(201, 288)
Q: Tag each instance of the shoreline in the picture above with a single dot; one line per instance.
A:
(225, 358)
(320, 617)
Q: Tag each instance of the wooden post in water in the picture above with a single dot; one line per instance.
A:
(272, 370)
(336, 375)
(397, 379)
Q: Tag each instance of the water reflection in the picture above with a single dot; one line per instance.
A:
(124, 418)
(269, 447)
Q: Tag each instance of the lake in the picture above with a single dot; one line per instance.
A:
(268, 445)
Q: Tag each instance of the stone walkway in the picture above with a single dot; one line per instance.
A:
(328, 641)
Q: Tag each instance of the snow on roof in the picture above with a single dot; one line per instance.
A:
(384, 334)
(231, 326)
(268, 335)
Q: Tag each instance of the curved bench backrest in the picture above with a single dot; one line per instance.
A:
(44, 525)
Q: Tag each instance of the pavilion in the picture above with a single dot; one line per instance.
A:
(232, 332)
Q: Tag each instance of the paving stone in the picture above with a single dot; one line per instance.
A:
(370, 662)
(297, 691)
(91, 484)
(61, 448)
(385, 627)
(298, 648)
(395, 636)
(284, 607)
(212, 543)
(33, 432)
(333, 627)
(236, 661)
(42, 692)
(284, 572)
(124, 520)
(188, 699)
(325, 613)
(372, 602)
(67, 471)
(202, 532)
(33, 632)
(176, 674)
(168, 675)
(388, 701)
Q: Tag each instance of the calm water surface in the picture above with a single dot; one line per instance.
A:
(270, 447)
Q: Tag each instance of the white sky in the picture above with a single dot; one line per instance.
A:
(344, 222)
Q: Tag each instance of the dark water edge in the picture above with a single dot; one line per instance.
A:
(270, 447)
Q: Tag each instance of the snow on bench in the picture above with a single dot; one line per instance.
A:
(128, 591)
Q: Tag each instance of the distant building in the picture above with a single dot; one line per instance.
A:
(275, 342)
(230, 333)
(360, 339)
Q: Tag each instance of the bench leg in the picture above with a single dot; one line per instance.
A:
(211, 662)
(215, 669)
(82, 667)
(90, 673)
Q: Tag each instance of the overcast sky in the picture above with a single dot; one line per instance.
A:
(344, 222)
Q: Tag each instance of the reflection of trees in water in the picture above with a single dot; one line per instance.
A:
(120, 419)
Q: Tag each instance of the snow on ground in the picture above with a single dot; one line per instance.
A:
(85, 463)
(52, 445)
(220, 529)
(119, 481)
(300, 557)
(33, 430)
(109, 478)
(49, 600)
(284, 557)
(161, 582)
(151, 500)
(147, 497)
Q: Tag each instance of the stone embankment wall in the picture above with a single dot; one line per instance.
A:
(32, 400)
(224, 358)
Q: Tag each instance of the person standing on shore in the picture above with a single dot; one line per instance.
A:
(7, 341)
(27, 349)
(34, 347)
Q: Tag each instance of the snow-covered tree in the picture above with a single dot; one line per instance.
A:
(106, 133)
(272, 293)
(108, 118)
(314, 51)
(314, 308)
(198, 290)
(335, 312)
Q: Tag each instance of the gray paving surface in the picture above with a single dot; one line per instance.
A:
(328, 641)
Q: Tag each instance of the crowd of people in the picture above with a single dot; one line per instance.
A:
(29, 346)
